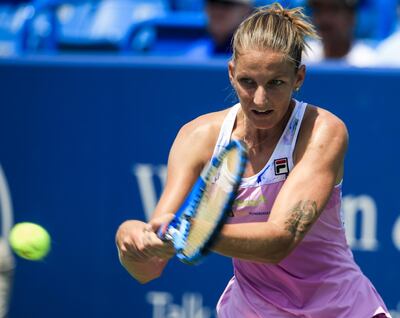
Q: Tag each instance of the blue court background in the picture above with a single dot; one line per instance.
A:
(80, 137)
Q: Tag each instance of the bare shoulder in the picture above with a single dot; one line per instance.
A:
(205, 125)
(200, 135)
(322, 120)
(321, 128)
(204, 128)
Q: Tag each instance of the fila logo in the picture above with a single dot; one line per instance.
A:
(281, 166)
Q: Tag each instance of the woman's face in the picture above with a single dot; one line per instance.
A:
(264, 82)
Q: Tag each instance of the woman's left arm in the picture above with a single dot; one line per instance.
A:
(319, 166)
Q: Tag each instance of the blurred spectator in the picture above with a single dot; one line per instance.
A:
(223, 16)
(6, 275)
(335, 21)
(389, 49)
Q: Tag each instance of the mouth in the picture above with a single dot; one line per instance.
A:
(262, 113)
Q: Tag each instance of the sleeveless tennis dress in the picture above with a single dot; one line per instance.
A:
(319, 279)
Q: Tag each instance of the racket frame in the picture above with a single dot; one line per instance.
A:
(178, 229)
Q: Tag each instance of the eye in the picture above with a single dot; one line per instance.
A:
(247, 82)
(276, 82)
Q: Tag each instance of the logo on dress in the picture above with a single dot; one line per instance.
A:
(281, 166)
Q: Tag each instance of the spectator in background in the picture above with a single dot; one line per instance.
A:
(389, 49)
(7, 262)
(6, 275)
(335, 21)
(224, 16)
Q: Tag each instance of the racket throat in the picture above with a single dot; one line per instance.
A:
(179, 235)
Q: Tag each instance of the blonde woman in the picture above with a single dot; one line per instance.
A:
(285, 234)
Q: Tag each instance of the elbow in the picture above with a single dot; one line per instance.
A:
(280, 247)
(277, 258)
(144, 280)
(143, 273)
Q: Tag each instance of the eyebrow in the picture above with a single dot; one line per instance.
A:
(278, 74)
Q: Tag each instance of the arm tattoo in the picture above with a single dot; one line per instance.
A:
(301, 218)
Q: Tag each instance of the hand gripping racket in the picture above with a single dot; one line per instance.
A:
(200, 218)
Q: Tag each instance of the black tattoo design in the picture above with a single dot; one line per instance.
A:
(301, 218)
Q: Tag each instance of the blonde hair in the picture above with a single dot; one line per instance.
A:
(276, 28)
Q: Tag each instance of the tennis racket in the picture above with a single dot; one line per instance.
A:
(200, 218)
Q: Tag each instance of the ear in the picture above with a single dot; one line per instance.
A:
(231, 71)
(300, 76)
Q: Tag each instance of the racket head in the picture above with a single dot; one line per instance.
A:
(206, 208)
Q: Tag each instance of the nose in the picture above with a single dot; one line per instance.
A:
(260, 96)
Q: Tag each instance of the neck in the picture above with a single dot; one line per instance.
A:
(259, 139)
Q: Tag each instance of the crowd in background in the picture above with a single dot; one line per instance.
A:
(355, 32)
(336, 22)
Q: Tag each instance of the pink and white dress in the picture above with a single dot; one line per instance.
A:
(319, 279)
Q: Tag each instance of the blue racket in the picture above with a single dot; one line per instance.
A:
(200, 218)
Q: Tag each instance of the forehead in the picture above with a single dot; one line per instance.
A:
(263, 61)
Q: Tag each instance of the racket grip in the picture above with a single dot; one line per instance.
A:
(167, 231)
(162, 232)
(175, 232)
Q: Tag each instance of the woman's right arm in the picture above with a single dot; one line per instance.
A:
(140, 251)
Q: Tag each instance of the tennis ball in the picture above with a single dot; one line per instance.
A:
(30, 241)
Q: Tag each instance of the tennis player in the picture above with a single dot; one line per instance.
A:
(285, 233)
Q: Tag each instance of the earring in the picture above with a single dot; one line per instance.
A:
(297, 88)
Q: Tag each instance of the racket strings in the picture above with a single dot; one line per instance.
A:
(217, 194)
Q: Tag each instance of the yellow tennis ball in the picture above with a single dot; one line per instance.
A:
(30, 241)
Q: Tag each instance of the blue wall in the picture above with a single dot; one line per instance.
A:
(80, 137)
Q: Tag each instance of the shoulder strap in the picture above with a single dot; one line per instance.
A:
(294, 128)
(225, 133)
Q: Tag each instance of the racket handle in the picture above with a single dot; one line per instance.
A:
(167, 231)
(162, 231)
(179, 236)
(170, 232)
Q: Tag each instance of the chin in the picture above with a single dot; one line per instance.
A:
(264, 124)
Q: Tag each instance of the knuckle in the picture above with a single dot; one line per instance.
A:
(125, 244)
(122, 249)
